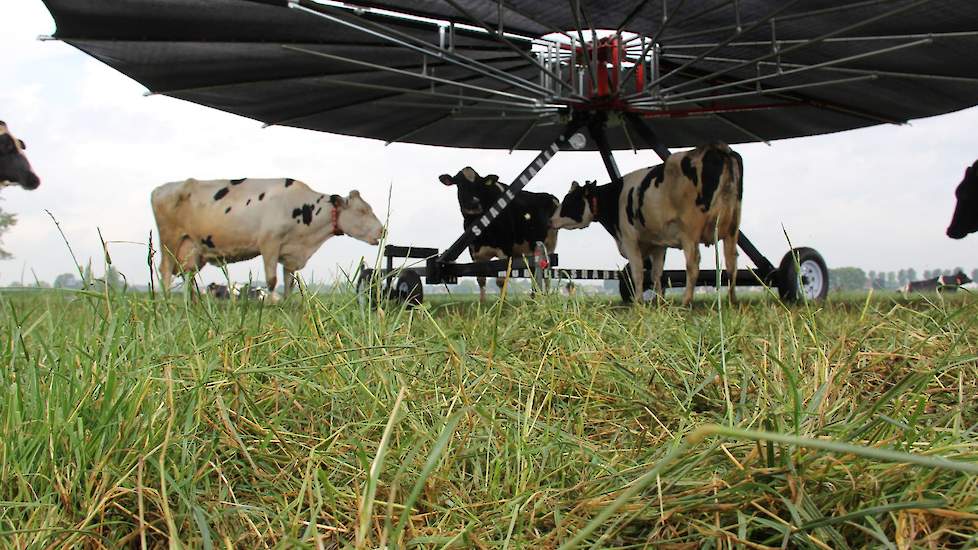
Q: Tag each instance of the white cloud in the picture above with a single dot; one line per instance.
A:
(879, 198)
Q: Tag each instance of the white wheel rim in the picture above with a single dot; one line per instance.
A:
(812, 280)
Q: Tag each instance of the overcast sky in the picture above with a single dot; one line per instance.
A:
(878, 198)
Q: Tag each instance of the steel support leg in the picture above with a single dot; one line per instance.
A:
(596, 127)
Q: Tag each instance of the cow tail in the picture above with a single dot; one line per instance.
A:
(730, 192)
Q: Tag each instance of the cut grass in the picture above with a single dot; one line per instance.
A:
(126, 420)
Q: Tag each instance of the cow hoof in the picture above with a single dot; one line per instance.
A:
(271, 298)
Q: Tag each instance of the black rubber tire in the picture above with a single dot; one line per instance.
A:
(409, 289)
(625, 287)
(814, 283)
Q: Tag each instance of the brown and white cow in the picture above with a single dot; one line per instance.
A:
(227, 221)
(679, 204)
(14, 167)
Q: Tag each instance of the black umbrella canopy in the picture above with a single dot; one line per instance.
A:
(505, 74)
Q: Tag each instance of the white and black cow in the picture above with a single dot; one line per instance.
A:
(678, 204)
(517, 229)
(965, 219)
(14, 167)
(944, 283)
(227, 221)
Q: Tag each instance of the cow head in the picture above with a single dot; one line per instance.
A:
(475, 193)
(965, 219)
(354, 217)
(577, 209)
(14, 167)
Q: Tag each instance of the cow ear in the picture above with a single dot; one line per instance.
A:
(491, 179)
(574, 186)
(446, 179)
(354, 194)
(337, 201)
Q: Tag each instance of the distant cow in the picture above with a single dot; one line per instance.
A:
(227, 221)
(14, 166)
(678, 204)
(965, 219)
(223, 292)
(517, 229)
(945, 283)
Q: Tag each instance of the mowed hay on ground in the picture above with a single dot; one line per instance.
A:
(317, 423)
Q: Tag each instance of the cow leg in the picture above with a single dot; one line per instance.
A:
(289, 280)
(270, 259)
(166, 270)
(692, 251)
(636, 263)
(730, 259)
(658, 264)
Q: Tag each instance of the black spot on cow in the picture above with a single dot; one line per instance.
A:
(321, 197)
(261, 197)
(221, 193)
(208, 242)
(247, 203)
(319, 210)
(656, 174)
(713, 161)
(289, 182)
(305, 212)
(630, 209)
(689, 170)
(607, 198)
(238, 182)
(228, 210)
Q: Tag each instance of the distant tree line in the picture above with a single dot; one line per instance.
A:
(854, 278)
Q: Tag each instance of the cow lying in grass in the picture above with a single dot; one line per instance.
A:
(14, 166)
(227, 221)
(678, 204)
(517, 229)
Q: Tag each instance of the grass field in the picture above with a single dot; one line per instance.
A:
(126, 420)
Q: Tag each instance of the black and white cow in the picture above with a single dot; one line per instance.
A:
(965, 219)
(518, 228)
(945, 283)
(227, 221)
(14, 167)
(679, 204)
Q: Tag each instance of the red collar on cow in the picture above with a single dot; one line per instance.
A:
(336, 221)
(594, 206)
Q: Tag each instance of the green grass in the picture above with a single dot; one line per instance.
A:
(126, 420)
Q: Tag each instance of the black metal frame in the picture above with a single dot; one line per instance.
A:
(443, 269)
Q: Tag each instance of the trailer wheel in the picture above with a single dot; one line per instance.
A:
(409, 289)
(808, 279)
(367, 290)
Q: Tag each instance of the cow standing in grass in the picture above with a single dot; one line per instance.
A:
(227, 221)
(515, 231)
(693, 198)
(965, 219)
(14, 166)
